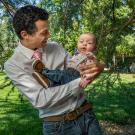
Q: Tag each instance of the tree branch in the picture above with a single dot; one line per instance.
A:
(131, 20)
(10, 9)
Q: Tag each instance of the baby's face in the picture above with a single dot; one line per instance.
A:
(86, 43)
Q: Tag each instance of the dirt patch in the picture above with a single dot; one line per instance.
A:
(115, 129)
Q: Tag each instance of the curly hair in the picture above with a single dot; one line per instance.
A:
(25, 18)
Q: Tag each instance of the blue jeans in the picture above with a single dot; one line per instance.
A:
(60, 77)
(86, 124)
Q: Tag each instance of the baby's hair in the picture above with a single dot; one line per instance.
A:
(91, 34)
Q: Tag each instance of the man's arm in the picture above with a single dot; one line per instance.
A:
(95, 69)
(39, 96)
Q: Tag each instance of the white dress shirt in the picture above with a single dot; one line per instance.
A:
(51, 101)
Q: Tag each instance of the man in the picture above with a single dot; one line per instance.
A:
(63, 109)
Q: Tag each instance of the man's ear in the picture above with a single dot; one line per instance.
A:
(24, 35)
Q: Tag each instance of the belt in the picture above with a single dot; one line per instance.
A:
(71, 115)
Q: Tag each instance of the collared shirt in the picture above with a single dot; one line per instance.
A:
(51, 101)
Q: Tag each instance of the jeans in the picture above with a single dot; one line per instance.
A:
(86, 124)
(60, 77)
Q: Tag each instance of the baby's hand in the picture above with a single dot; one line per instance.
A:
(90, 76)
(84, 82)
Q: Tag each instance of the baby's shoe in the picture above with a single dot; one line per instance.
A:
(38, 66)
(44, 81)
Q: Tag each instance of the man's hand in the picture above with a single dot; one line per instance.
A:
(90, 71)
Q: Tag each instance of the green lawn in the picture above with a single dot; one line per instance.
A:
(17, 118)
(112, 102)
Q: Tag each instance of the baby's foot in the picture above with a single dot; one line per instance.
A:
(38, 66)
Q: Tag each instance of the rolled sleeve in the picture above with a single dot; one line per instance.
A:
(74, 86)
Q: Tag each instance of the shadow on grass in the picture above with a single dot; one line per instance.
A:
(116, 105)
(19, 119)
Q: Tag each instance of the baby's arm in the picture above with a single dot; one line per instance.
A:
(87, 78)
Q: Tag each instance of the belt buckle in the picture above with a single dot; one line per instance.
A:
(73, 115)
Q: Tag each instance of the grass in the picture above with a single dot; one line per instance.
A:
(17, 118)
(113, 102)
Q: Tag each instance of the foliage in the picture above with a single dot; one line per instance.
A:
(113, 22)
(7, 39)
(127, 46)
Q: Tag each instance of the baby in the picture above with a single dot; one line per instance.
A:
(84, 55)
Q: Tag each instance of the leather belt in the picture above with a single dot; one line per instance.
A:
(71, 115)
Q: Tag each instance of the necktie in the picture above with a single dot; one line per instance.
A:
(37, 55)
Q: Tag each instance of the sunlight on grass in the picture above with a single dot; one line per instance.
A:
(113, 101)
(15, 116)
(129, 77)
(113, 97)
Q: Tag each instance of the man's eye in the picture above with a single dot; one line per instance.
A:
(45, 33)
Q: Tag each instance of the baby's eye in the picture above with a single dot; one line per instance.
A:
(81, 41)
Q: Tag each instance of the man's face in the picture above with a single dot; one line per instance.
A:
(39, 38)
(86, 43)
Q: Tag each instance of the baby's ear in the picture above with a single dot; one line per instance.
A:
(95, 47)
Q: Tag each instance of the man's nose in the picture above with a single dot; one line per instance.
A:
(49, 34)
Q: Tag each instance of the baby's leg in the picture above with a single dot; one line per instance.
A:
(60, 77)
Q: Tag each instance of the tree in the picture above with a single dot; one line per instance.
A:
(113, 22)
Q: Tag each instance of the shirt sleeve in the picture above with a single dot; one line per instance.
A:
(67, 59)
(39, 96)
